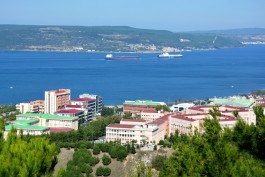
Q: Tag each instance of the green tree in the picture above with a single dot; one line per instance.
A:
(34, 158)
(143, 170)
(106, 160)
(103, 171)
(133, 151)
(60, 172)
(155, 147)
(158, 162)
(214, 153)
(128, 148)
(107, 111)
(162, 108)
(96, 150)
(93, 161)
(2, 124)
(127, 115)
(107, 171)
(119, 152)
(235, 113)
(259, 112)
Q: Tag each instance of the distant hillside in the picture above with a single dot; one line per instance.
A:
(106, 38)
(245, 35)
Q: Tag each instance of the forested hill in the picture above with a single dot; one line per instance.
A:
(106, 38)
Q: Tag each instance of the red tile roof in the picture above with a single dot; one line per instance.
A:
(200, 108)
(133, 120)
(73, 106)
(160, 120)
(182, 117)
(120, 126)
(149, 111)
(227, 118)
(61, 91)
(69, 111)
(83, 99)
(60, 129)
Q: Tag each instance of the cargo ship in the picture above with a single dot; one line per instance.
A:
(167, 55)
(111, 57)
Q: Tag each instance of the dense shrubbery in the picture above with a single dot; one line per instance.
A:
(106, 160)
(158, 162)
(118, 151)
(104, 147)
(7, 108)
(103, 171)
(110, 111)
(96, 150)
(79, 164)
(93, 161)
(83, 159)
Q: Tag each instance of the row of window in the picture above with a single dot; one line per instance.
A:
(113, 130)
(123, 135)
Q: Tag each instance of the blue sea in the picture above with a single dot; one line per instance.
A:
(24, 76)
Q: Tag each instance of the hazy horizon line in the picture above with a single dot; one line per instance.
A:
(190, 30)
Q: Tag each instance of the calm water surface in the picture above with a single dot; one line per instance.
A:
(24, 76)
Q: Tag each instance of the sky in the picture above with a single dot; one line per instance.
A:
(173, 15)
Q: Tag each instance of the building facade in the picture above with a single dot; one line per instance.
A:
(56, 100)
(138, 106)
(138, 130)
(52, 121)
(72, 113)
(99, 101)
(151, 115)
(149, 130)
(31, 107)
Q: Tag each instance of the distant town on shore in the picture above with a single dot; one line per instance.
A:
(120, 39)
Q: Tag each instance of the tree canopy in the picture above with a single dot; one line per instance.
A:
(26, 158)
(219, 152)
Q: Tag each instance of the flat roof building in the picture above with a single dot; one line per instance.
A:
(138, 106)
(52, 121)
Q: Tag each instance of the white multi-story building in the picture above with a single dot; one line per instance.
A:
(180, 107)
(99, 102)
(150, 116)
(187, 123)
(72, 113)
(32, 107)
(56, 100)
(88, 113)
(246, 114)
(138, 130)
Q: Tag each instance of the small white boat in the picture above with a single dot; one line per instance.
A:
(167, 55)
(111, 57)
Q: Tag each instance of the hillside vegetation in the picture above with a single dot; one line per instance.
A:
(105, 38)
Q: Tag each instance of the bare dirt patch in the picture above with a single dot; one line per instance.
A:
(63, 157)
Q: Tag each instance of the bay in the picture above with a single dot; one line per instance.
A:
(24, 76)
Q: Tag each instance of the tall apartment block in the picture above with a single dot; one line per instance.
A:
(98, 99)
(56, 100)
